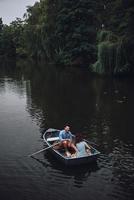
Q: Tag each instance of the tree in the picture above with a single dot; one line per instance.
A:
(116, 57)
(62, 30)
(76, 31)
(1, 25)
(7, 47)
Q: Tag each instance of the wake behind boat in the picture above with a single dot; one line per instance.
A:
(51, 136)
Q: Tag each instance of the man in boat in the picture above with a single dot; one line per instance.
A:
(66, 138)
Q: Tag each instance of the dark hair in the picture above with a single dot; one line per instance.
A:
(78, 138)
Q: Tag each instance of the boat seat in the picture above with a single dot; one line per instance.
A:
(52, 139)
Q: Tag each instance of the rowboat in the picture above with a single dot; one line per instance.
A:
(52, 135)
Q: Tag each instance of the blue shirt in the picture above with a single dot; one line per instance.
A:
(81, 146)
(63, 135)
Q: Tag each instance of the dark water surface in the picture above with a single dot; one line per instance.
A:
(102, 109)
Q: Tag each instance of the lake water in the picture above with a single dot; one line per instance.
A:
(102, 109)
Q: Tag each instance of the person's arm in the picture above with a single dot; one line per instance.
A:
(75, 148)
(71, 135)
(87, 145)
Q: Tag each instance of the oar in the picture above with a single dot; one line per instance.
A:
(43, 149)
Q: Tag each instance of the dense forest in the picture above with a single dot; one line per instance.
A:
(98, 34)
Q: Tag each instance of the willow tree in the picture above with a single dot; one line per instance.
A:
(121, 17)
(50, 11)
(116, 56)
(39, 29)
(32, 30)
(112, 55)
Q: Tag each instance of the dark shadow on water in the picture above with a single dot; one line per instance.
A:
(41, 161)
(100, 108)
(79, 173)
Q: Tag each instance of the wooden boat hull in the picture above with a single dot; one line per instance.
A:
(65, 160)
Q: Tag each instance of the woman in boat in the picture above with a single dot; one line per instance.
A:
(83, 149)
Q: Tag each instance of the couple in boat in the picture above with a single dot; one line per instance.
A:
(74, 145)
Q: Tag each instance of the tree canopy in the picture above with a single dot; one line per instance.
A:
(68, 32)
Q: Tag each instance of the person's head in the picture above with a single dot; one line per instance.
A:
(78, 137)
(67, 128)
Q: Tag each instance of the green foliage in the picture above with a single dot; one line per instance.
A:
(12, 40)
(1, 25)
(120, 15)
(39, 29)
(70, 32)
(106, 36)
(76, 30)
(115, 40)
(122, 62)
(7, 48)
(62, 30)
(112, 55)
(106, 58)
(17, 31)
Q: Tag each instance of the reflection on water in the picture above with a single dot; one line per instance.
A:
(102, 109)
(91, 105)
